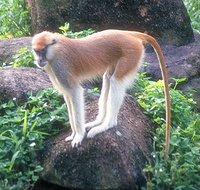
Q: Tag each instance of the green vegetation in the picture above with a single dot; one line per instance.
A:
(193, 8)
(24, 58)
(14, 19)
(182, 170)
(23, 128)
(66, 32)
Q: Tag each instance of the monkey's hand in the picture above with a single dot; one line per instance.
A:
(77, 139)
(70, 138)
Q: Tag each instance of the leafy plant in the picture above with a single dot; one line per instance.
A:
(182, 170)
(94, 91)
(66, 32)
(193, 8)
(23, 59)
(14, 19)
(21, 129)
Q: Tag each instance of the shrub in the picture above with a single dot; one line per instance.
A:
(193, 8)
(23, 128)
(14, 19)
(24, 58)
(182, 170)
(66, 32)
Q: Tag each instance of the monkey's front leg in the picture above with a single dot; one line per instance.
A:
(69, 106)
(75, 104)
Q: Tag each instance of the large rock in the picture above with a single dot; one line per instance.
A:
(182, 62)
(16, 82)
(10, 47)
(167, 21)
(112, 160)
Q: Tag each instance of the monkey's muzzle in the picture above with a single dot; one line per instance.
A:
(40, 58)
(41, 62)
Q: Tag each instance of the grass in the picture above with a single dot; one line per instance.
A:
(14, 19)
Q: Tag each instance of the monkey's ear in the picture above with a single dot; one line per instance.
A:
(53, 41)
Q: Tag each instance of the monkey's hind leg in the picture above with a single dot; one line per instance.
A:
(115, 98)
(102, 102)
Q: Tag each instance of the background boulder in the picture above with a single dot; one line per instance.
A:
(16, 82)
(182, 62)
(167, 21)
(112, 160)
(10, 47)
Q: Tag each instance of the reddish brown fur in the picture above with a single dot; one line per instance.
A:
(43, 39)
(118, 51)
(93, 55)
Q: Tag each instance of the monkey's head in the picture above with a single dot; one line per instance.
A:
(41, 44)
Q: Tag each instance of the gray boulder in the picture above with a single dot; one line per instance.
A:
(167, 21)
(16, 82)
(10, 47)
(112, 160)
(182, 62)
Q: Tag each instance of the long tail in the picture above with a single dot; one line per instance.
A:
(149, 39)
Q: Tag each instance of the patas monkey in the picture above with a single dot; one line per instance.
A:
(114, 53)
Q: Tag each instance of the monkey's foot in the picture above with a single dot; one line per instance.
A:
(96, 130)
(77, 139)
(70, 138)
(92, 124)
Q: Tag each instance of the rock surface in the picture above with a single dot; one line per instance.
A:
(10, 47)
(16, 82)
(182, 62)
(112, 160)
(167, 21)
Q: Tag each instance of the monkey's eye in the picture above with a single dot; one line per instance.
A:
(36, 51)
(42, 51)
(53, 41)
